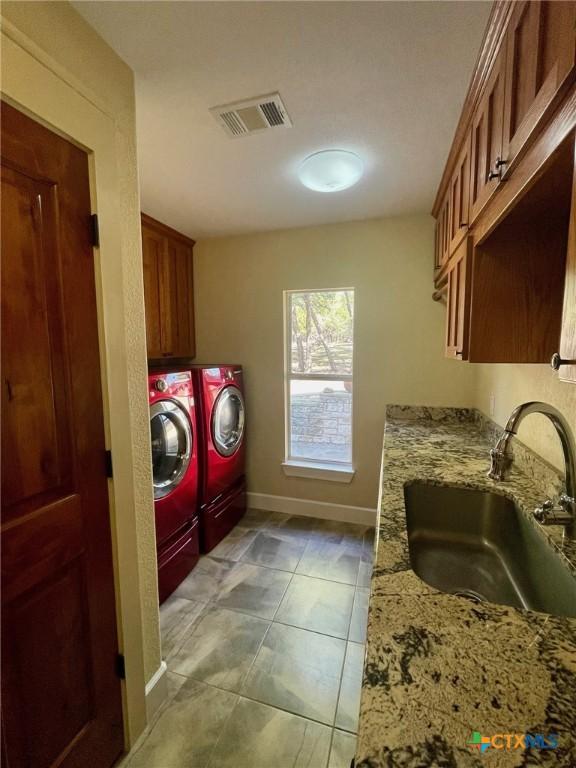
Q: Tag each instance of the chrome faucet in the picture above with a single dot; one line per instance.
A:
(563, 511)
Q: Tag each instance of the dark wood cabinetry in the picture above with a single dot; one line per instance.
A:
(168, 291)
(506, 243)
(567, 370)
(458, 303)
(459, 192)
(487, 139)
(540, 55)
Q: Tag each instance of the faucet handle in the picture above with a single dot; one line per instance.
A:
(499, 463)
(541, 513)
(567, 503)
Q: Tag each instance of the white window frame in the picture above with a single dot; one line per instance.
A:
(297, 466)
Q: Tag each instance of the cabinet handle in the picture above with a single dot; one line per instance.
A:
(463, 224)
(557, 361)
(498, 164)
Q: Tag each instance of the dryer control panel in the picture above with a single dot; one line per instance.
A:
(162, 385)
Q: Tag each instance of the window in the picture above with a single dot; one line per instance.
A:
(319, 369)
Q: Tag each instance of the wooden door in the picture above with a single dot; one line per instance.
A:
(541, 49)
(459, 192)
(61, 698)
(487, 139)
(458, 303)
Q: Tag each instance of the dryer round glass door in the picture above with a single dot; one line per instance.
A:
(171, 446)
(228, 421)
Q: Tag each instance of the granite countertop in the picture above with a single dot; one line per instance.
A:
(439, 667)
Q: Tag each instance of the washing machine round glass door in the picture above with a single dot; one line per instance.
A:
(171, 446)
(228, 421)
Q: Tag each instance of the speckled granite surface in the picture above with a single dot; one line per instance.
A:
(439, 667)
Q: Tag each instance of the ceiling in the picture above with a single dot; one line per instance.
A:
(384, 79)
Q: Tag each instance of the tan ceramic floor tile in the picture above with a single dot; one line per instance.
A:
(359, 621)
(221, 649)
(298, 671)
(317, 605)
(274, 549)
(186, 732)
(343, 749)
(350, 689)
(178, 616)
(258, 736)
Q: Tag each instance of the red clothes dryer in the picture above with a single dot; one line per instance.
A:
(220, 398)
(173, 430)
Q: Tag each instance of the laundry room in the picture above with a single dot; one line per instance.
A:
(289, 383)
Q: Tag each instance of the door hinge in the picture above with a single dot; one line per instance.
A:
(120, 666)
(108, 463)
(94, 230)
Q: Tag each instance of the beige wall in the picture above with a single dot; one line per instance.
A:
(58, 70)
(515, 384)
(399, 334)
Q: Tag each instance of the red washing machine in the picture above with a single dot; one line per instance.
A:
(173, 430)
(220, 398)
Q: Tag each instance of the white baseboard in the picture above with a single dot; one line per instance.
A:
(156, 691)
(307, 508)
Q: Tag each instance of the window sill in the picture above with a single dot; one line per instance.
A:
(337, 473)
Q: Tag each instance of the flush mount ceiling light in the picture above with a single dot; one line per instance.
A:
(331, 170)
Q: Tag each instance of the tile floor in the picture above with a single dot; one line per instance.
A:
(264, 643)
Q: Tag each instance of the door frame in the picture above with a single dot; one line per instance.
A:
(47, 92)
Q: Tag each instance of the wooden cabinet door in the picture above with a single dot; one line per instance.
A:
(567, 371)
(487, 139)
(167, 288)
(168, 291)
(458, 303)
(437, 247)
(443, 232)
(180, 256)
(153, 246)
(459, 196)
(540, 56)
(61, 698)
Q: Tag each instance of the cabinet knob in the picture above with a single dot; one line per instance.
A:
(558, 361)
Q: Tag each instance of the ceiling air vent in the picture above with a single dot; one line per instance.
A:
(252, 115)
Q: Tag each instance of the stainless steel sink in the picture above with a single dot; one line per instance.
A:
(479, 545)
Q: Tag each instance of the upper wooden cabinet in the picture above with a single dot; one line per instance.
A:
(443, 233)
(168, 291)
(487, 139)
(454, 213)
(458, 303)
(566, 360)
(504, 256)
(540, 56)
(459, 196)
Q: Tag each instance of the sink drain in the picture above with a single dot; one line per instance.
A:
(470, 595)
